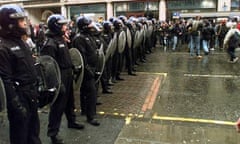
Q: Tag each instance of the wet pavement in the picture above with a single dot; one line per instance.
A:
(174, 99)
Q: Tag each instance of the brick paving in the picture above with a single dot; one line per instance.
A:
(130, 96)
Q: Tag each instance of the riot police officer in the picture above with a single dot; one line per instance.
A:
(108, 36)
(85, 43)
(117, 58)
(99, 41)
(56, 47)
(127, 54)
(19, 77)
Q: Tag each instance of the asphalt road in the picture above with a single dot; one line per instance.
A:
(174, 99)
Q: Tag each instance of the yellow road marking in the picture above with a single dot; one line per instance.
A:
(155, 116)
(128, 118)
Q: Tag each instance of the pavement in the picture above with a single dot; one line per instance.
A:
(160, 105)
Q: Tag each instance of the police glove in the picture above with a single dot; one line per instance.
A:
(76, 72)
(77, 69)
(18, 107)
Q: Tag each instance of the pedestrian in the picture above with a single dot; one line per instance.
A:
(231, 42)
(238, 125)
(40, 37)
(195, 37)
(207, 34)
(19, 77)
(176, 33)
(221, 31)
(56, 47)
(84, 42)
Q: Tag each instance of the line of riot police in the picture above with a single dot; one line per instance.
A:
(100, 53)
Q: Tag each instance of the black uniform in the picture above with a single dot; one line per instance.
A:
(19, 77)
(84, 42)
(107, 36)
(56, 47)
(130, 51)
(99, 40)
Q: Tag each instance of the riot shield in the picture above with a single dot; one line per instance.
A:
(136, 40)
(129, 38)
(78, 71)
(115, 39)
(2, 97)
(144, 33)
(141, 36)
(49, 80)
(149, 30)
(121, 41)
(100, 63)
(111, 47)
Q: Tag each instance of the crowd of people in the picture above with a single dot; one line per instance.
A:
(197, 34)
(21, 43)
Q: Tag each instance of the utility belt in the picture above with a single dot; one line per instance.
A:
(26, 86)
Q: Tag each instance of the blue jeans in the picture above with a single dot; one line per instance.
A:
(195, 43)
(175, 41)
(205, 44)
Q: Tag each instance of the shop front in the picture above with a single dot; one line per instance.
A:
(137, 9)
(94, 11)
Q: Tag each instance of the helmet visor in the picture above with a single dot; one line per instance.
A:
(63, 21)
(18, 15)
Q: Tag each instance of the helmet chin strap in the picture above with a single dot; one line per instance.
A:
(17, 32)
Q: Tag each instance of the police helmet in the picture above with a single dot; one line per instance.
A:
(107, 26)
(83, 23)
(96, 28)
(123, 18)
(117, 24)
(111, 19)
(129, 24)
(55, 23)
(9, 16)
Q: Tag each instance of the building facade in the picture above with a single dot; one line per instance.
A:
(39, 10)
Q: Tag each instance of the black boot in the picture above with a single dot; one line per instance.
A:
(56, 140)
(75, 125)
(106, 91)
(119, 78)
(93, 122)
(132, 74)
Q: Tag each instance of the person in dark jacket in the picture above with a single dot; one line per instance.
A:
(85, 43)
(40, 37)
(56, 47)
(221, 31)
(207, 34)
(231, 42)
(176, 33)
(19, 77)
